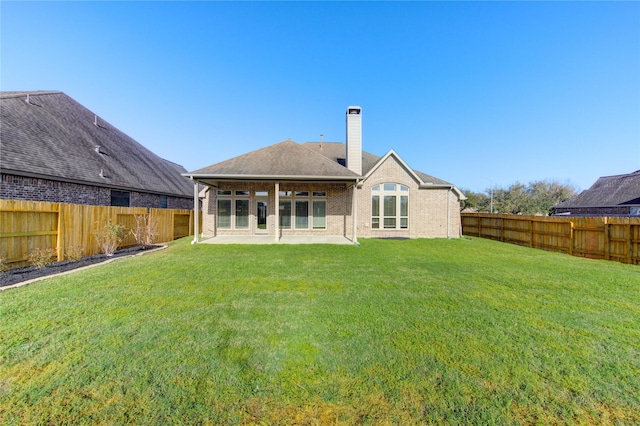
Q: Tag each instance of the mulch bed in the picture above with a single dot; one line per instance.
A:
(18, 275)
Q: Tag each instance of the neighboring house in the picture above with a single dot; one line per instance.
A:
(610, 196)
(54, 149)
(326, 189)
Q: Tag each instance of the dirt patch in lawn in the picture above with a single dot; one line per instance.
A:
(30, 273)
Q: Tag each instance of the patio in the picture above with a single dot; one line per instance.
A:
(269, 239)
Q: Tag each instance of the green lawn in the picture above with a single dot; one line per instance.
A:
(391, 332)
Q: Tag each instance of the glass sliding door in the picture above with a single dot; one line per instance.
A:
(242, 214)
(285, 214)
(261, 215)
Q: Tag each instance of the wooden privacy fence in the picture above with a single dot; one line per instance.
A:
(611, 238)
(27, 225)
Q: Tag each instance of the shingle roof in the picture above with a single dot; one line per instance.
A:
(609, 191)
(299, 161)
(55, 137)
(286, 159)
(337, 151)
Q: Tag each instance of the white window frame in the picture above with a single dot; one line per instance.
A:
(311, 221)
(233, 196)
(395, 197)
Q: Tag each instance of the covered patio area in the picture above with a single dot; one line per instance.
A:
(285, 239)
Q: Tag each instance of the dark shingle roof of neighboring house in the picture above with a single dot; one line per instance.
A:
(54, 137)
(609, 191)
(337, 151)
(286, 159)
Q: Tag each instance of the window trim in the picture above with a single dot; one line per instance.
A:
(237, 217)
(218, 201)
(313, 214)
(303, 196)
(233, 196)
(390, 207)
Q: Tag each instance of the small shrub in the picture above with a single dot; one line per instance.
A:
(145, 230)
(75, 253)
(39, 257)
(110, 237)
(4, 264)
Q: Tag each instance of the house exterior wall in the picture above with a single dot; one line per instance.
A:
(338, 213)
(433, 213)
(14, 187)
(427, 207)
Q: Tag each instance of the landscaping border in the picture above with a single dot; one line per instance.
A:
(108, 260)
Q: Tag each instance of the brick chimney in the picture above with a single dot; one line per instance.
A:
(354, 139)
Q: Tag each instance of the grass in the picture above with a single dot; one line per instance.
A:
(392, 332)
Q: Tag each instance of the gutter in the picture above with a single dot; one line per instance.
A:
(271, 177)
(443, 186)
(597, 207)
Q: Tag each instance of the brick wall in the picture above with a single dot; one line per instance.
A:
(427, 207)
(33, 189)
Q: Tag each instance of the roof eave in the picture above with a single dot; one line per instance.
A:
(453, 188)
(89, 183)
(244, 177)
(597, 206)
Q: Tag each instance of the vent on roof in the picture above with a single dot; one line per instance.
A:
(99, 150)
(95, 120)
(28, 100)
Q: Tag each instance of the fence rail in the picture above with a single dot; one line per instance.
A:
(610, 238)
(27, 225)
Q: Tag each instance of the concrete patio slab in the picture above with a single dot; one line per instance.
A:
(270, 239)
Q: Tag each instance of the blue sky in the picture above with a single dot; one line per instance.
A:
(481, 94)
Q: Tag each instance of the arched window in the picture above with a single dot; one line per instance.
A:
(390, 206)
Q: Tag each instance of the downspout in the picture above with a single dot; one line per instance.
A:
(196, 215)
(354, 208)
(448, 212)
(277, 215)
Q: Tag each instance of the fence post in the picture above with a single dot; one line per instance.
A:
(629, 241)
(607, 250)
(571, 237)
(60, 234)
(531, 233)
(192, 223)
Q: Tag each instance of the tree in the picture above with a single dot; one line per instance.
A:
(475, 200)
(536, 198)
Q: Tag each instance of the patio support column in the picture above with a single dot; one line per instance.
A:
(354, 210)
(448, 213)
(196, 213)
(277, 208)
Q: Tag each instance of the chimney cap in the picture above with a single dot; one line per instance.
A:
(354, 110)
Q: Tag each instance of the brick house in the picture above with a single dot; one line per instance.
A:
(54, 149)
(617, 195)
(326, 189)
